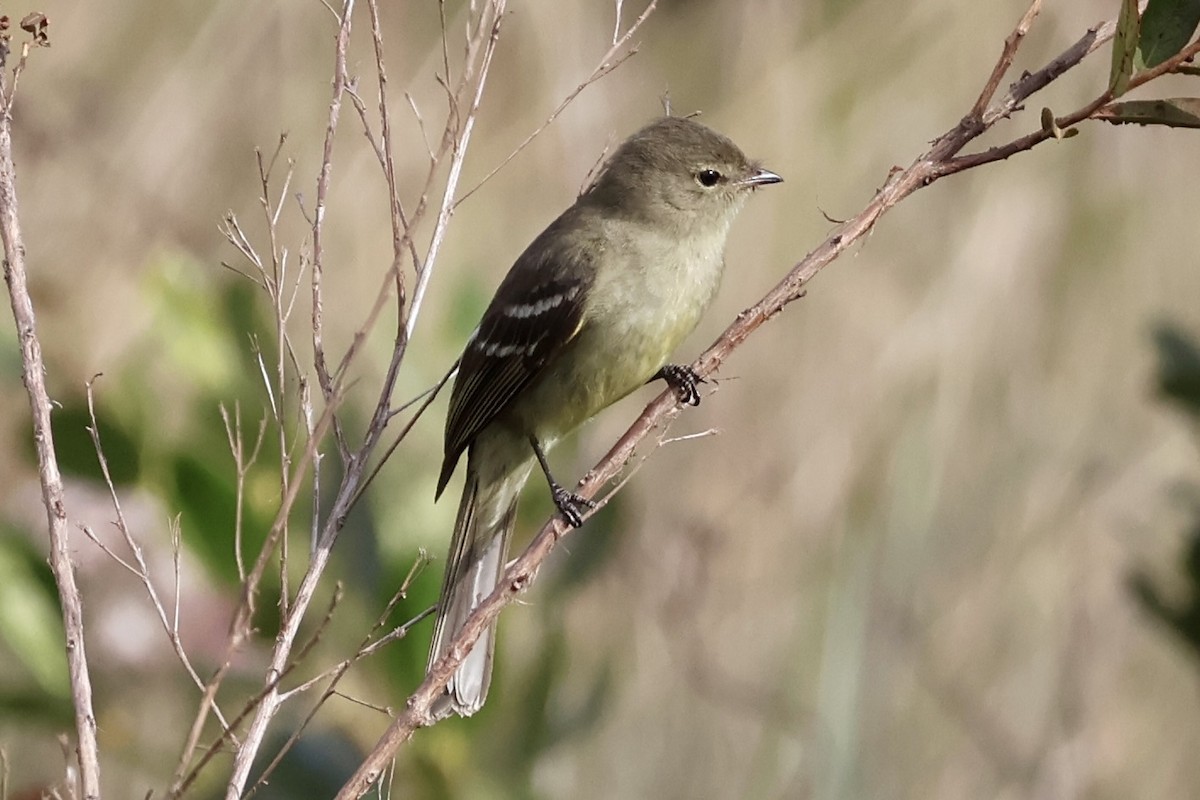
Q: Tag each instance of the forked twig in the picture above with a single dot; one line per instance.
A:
(139, 568)
(335, 674)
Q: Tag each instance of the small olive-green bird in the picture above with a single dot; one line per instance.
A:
(591, 310)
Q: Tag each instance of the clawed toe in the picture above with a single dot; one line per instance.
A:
(684, 380)
(572, 506)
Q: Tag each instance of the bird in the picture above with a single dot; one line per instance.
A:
(589, 312)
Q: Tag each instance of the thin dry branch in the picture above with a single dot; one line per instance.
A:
(181, 773)
(335, 674)
(611, 59)
(33, 374)
(256, 703)
(494, 16)
(429, 395)
(276, 282)
(402, 241)
(940, 160)
(400, 231)
(1011, 44)
(369, 646)
(139, 568)
(242, 462)
(480, 51)
(340, 82)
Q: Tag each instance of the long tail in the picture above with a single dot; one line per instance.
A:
(473, 568)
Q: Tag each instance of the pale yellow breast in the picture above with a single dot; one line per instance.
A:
(638, 314)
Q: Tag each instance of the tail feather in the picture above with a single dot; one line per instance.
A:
(475, 564)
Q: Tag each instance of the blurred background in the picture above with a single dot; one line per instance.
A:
(944, 546)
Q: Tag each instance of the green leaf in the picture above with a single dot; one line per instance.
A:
(1167, 27)
(1125, 44)
(1182, 617)
(30, 622)
(1174, 112)
(1050, 126)
(1178, 367)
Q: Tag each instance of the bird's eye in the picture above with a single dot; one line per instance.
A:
(708, 177)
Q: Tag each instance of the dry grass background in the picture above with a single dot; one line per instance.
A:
(898, 572)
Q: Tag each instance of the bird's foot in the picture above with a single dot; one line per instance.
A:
(684, 380)
(572, 506)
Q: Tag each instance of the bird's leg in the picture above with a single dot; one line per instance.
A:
(683, 379)
(569, 504)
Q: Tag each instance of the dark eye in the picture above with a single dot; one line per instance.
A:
(708, 177)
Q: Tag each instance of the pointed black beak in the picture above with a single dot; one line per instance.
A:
(760, 177)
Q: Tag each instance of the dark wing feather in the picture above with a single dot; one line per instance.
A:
(537, 310)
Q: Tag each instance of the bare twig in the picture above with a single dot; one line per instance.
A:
(242, 463)
(400, 232)
(182, 777)
(412, 104)
(1011, 45)
(265, 705)
(34, 376)
(611, 59)
(689, 437)
(369, 647)
(445, 43)
(139, 568)
(336, 600)
(267, 702)
(275, 281)
(336, 673)
(401, 241)
(8, 97)
(340, 81)
(141, 571)
(429, 396)
(481, 49)
(495, 14)
(256, 703)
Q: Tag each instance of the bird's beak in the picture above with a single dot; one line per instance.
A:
(760, 177)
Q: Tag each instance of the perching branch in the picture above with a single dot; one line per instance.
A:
(940, 160)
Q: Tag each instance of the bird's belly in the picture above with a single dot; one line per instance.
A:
(613, 355)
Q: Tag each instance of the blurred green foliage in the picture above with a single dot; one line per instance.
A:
(1179, 369)
(31, 634)
(1178, 382)
(76, 452)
